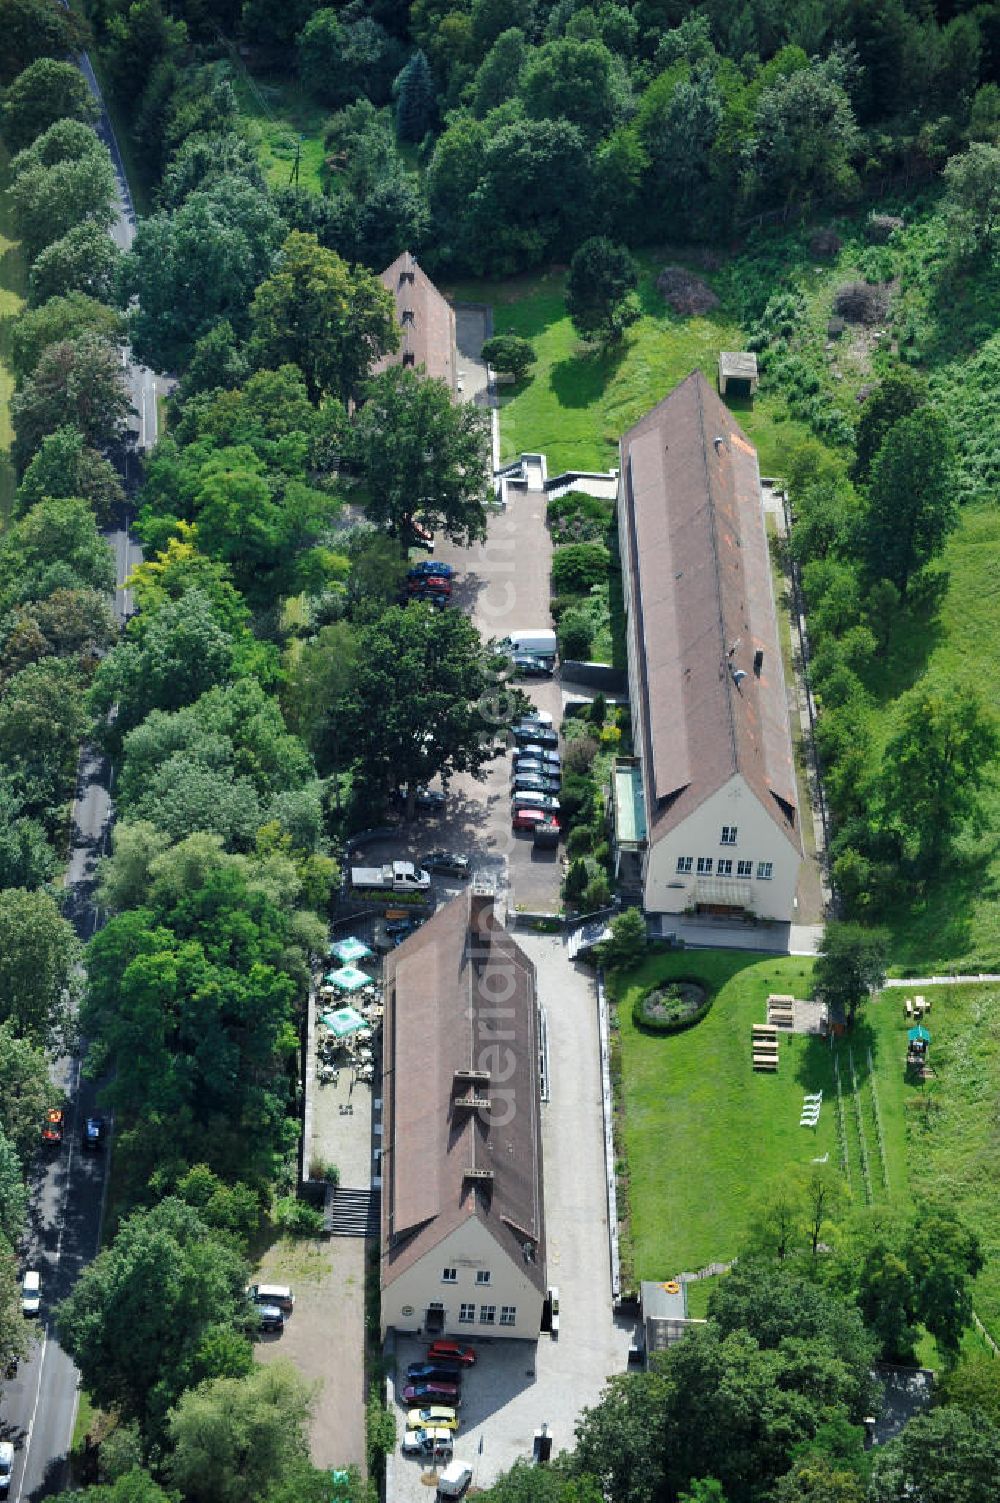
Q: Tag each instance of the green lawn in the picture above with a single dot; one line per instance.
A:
(280, 114)
(13, 284)
(703, 1134)
(578, 402)
(956, 924)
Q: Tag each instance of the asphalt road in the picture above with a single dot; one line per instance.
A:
(38, 1406)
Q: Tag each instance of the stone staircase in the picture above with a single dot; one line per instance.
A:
(351, 1213)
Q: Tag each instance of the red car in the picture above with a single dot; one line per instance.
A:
(52, 1127)
(452, 1351)
(527, 818)
(430, 584)
(416, 1393)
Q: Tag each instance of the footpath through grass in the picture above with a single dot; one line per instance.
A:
(13, 286)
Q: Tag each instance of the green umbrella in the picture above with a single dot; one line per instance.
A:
(344, 1021)
(350, 949)
(918, 1035)
(349, 979)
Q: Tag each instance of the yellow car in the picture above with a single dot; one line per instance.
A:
(438, 1417)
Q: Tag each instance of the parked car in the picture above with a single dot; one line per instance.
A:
(436, 583)
(53, 1127)
(439, 1416)
(453, 1351)
(536, 735)
(270, 1318)
(434, 1372)
(416, 535)
(427, 800)
(419, 1393)
(399, 928)
(535, 801)
(534, 782)
(546, 834)
(94, 1133)
(6, 1466)
(427, 1443)
(454, 1480)
(31, 1293)
(536, 756)
(431, 566)
(536, 717)
(273, 1294)
(448, 862)
(526, 665)
(527, 819)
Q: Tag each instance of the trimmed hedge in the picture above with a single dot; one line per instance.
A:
(664, 1026)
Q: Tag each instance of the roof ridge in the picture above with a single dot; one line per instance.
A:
(713, 534)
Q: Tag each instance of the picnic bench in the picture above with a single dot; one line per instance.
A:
(765, 1061)
(763, 1031)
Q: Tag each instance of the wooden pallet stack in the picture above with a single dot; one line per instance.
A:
(764, 1037)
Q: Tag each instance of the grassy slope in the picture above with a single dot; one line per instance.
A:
(13, 283)
(286, 113)
(578, 402)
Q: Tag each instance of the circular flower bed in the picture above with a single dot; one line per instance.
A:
(671, 1006)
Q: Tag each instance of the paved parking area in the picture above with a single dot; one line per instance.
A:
(516, 1386)
(503, 583)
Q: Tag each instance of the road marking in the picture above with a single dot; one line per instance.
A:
(31, 1422)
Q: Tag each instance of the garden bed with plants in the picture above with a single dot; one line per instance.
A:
(583, 563)
(671, 1006)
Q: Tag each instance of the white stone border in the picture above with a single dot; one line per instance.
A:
(608, 1107)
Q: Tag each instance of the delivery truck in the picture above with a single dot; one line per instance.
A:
(538, 643)
(394, 876)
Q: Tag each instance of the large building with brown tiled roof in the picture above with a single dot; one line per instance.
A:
(715, 823)
(426, 322)
(463, 1229)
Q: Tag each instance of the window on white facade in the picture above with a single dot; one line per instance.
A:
(724, 868)
(449, 1275)
(487, 1315)
(482, 1275)
(466, 1314)
(704, 866)
(728, 835)
(508, 1315)
(765, 871)
(684, 863)
(744, 868)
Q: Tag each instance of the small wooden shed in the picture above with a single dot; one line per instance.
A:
(737, 373)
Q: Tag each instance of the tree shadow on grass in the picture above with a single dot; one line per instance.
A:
(916, 632)
(581, 380)
(815, 1069)
(937, 927)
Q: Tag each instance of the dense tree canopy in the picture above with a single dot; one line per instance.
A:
(137, 1352)
(234, 1438)
(421, 454)
(39, 960)
(47, 90)
(317, 313)
(36, 28)
(76, 381)
(55, 545)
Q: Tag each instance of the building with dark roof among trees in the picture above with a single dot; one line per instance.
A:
(463, 1231)
(707, 813)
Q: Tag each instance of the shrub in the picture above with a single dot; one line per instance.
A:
(577, 878)
(579, 841)
(578, 798)
(575, 634)
(628, 943)
(598, 894)
(323, 1169)
(881, 227)
(579, 754)
(599, 709)
(825, 242)
(579, 566)
(510, 354)
(295, 1216)
(579, 518)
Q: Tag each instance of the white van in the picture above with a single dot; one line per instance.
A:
(6, 1466)
(273, 1294)
(540, 643)
(454, 1479)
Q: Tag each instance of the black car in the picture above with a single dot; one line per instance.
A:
(446, 861)
(434, 1372)
(527, 665)
(537, 759)
(532, 734)
(270, 1318)
(94, 1133)
(428, 800)
(534, 782)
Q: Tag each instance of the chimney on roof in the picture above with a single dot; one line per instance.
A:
(481, 920)
(758, 662)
